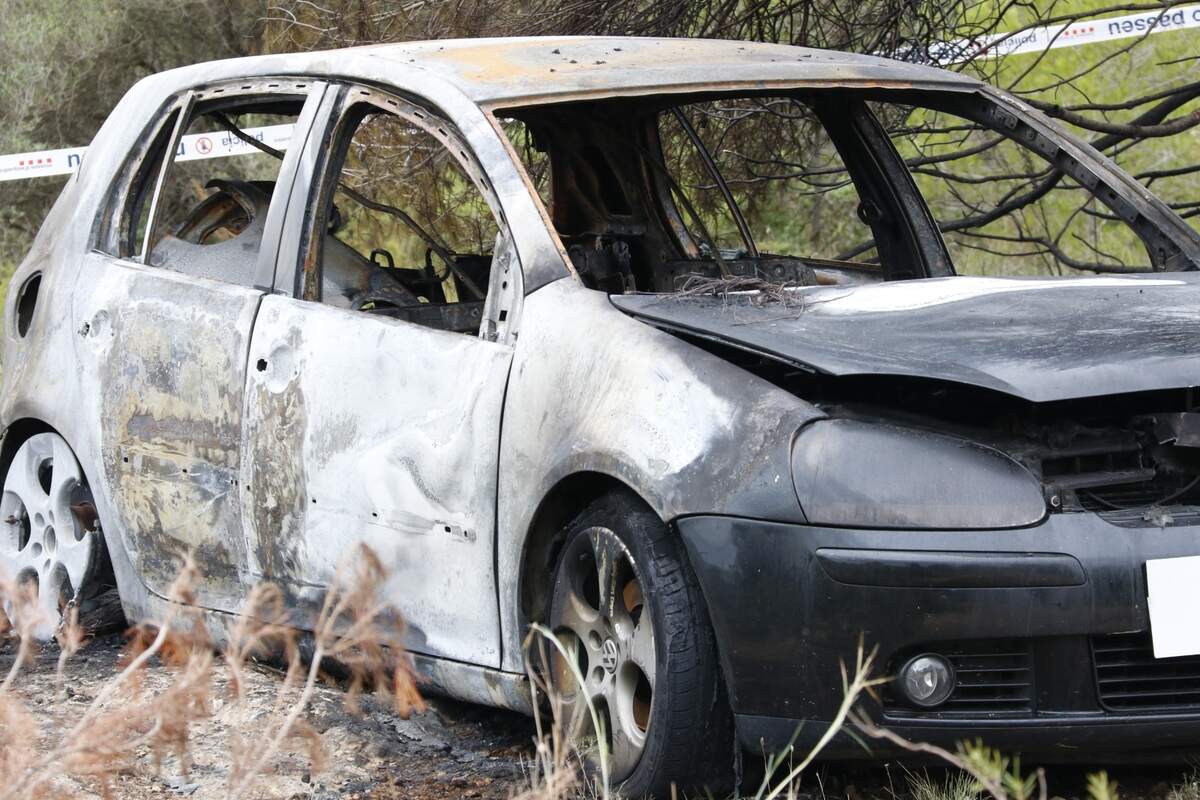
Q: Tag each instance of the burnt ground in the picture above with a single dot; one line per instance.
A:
(452, 751)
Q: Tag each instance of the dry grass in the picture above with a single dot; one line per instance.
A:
(568, 767)
(1188, 788)
(952, 786)
(125, 719)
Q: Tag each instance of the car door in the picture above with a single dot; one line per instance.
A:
(373, 408)
(170, 323)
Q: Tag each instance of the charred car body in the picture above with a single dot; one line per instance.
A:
(710, 494)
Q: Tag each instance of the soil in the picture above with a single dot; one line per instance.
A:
(452, 751)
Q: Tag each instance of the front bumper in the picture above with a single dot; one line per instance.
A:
(789, 604)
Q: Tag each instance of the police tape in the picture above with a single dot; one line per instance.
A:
(193, 147)
(42, 163)
(1073, 34)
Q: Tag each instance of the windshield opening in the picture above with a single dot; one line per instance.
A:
(831, 187)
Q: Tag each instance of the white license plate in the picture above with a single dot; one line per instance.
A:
(1173, 586)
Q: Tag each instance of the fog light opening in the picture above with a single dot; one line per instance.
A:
(926, 680)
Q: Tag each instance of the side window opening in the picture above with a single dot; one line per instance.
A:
(407, 222)
(204, 215)
(782, 171)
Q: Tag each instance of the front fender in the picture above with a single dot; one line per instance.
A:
(594, 390)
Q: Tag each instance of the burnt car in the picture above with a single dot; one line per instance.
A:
(509, 313)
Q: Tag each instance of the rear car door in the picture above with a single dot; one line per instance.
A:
(194, 231)
(378, 374)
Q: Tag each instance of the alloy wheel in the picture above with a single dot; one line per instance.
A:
(600, 615)
(48, 537)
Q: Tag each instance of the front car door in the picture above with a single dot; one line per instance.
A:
(379, 366)
(177, 291)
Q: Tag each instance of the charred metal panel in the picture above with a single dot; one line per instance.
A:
(474, 684)
(53, 375)
(368, 429)
(1050, 339)
(553, 69)
(593, 390)
(171, 355)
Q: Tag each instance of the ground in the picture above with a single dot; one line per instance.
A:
(452, 751)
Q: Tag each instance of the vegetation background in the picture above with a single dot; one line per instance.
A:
(65, 63)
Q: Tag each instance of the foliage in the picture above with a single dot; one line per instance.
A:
(1134, 98)
(976, 183)
(64, 64)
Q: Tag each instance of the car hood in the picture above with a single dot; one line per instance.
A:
(1039, 339)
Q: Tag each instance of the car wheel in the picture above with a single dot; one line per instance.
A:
(630, 613)
(50, 539)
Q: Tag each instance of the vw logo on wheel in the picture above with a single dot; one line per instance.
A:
(608, 655)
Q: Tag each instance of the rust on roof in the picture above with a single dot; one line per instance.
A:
(549, 69)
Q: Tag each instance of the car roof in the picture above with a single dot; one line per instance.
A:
(550, 69)
(520, 71)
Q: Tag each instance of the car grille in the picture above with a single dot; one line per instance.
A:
(1152, 517)
(1130, 678)
(1104, 472)
(993, 676)
(1110, 463)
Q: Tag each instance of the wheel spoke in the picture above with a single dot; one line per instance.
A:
(27, 559)
(75, 548)
(577, 615)
(48, 594)
(625, 751)
(641, 647)
(22, 479)
(609, 555)
(64, 478)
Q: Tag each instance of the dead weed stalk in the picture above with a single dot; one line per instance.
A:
(560, 757)
(142, 710)
(354, 628)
